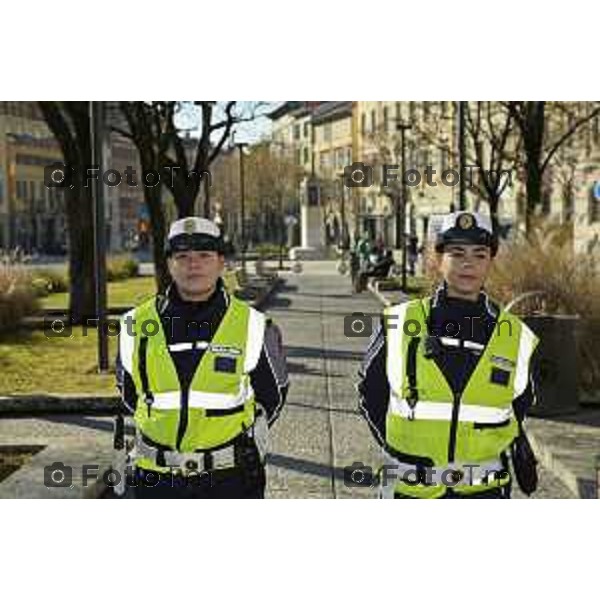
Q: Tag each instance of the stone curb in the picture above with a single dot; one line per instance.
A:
(32, 405)
(542, 451)
(552, 464)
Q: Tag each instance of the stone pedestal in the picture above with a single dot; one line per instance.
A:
(311, 235)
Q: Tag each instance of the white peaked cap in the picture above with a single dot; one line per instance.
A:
(451, 221)
(191, 225)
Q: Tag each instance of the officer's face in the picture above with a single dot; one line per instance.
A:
(195, 273)
(465, 268)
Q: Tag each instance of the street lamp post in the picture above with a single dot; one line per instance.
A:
(96, 110)
(462, 200)
(343, 213)
(281, 230)
(241, 146)
(401, 203)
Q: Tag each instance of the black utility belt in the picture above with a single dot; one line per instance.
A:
(238, 453)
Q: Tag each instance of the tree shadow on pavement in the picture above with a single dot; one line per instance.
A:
(302, 465)
(298, 368)
(313, 352)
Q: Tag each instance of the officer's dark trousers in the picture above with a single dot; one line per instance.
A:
(229, 483)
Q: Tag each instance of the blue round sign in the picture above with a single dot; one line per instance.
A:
(597, 190)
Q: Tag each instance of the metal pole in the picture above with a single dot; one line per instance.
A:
(401, 201)
(97, 141)
(343, 211)
(281, 231)
(243, 203)
(402, 216)
(462, 195)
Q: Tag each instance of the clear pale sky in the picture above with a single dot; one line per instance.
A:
(251, 131)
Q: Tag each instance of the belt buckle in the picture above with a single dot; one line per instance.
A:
(456, 475)
(191, 465)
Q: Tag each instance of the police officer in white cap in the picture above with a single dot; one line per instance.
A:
(204, 376)
(447, 380)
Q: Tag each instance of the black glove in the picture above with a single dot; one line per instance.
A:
(524, 463)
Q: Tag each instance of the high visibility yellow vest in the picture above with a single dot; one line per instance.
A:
(426, 420)
(220, 401)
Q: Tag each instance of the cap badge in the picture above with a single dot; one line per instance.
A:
(189, 226)
(465, 221)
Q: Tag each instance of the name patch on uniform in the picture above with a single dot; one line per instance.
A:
(500, 376)
(502, 362)
(227, 350)
(225, 364)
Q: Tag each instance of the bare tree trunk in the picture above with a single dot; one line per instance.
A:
(70, 125)
(533, 187)
(82, 293)
(493, 203)
(159, 235)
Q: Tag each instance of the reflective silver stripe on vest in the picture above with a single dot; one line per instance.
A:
(455, 342)
(526, 345)
(182, 346)
(449, 341)
(442, 411)
(126, 343)
(473, 345)
(224, 458)
(172, 400)
(256, 336)
(394, 330)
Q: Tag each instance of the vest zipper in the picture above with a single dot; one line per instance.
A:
(183, 417)
(453, 428)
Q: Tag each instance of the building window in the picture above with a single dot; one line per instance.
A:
(444, 109)
(327, 132)
(568, 202)
(305, 154)
(298, 157)
(386, 124)
(593, 208)
(425, 158)
(373, 121)
(305, 129)
(296, 132)
(363, 123)
(411, 158)
(398, 112)
(412, 110)
(443, 158)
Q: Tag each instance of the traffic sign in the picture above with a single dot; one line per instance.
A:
(596, 190)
